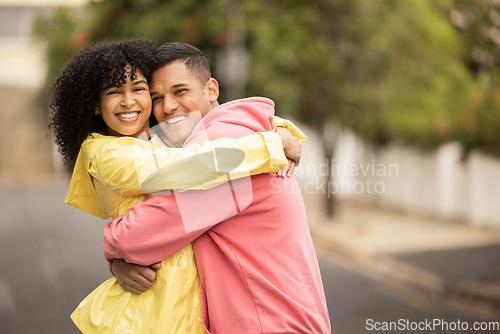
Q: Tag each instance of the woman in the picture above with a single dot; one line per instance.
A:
(100, 105)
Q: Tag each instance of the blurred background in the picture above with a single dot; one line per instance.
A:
(400, 100)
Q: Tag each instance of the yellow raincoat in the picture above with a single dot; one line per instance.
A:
(112, 174)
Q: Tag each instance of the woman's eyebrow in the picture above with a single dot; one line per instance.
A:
(133, 83)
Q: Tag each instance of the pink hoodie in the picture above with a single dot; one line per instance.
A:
(258, 268)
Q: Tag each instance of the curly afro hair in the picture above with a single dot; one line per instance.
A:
(75, 96)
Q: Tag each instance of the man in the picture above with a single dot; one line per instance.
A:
(258, 268)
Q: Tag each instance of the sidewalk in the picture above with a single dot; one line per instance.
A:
(447, 260)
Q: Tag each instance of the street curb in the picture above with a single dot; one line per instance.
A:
(478, 297)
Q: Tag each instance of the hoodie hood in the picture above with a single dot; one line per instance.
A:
(254, 113)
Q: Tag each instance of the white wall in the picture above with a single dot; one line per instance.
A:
(401, 177)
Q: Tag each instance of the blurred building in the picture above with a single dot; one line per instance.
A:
(21, 54)
(437, 184)
(26, 153)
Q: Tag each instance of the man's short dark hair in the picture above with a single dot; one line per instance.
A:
(192, 57)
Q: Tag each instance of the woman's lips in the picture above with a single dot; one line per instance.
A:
(130, 116)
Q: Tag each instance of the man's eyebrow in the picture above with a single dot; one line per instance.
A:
(174, 86)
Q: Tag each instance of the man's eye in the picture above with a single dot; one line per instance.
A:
(180, 91)
(156, 99)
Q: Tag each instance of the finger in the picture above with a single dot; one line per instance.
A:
(130, 284)
(292, 168)
(146, 276)
(132, 289)
(134, 281)
(139, 278)
(284, 171)
(156, 265)
(144, 285)
(140, 283)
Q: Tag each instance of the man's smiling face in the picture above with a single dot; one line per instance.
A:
(180, 100)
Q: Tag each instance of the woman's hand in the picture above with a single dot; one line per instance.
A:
(293, 151)
(133, 277)
(288, 170)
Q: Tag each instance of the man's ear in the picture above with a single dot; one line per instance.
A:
(212, 89)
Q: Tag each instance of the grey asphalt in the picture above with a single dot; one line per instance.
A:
(51, 258)
(481, 263)
(357, 300)
(450, 261)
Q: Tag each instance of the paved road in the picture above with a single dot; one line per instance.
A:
(359, 302)
(50, 258)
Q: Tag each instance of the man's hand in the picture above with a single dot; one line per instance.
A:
(133, 277)
(293, 151)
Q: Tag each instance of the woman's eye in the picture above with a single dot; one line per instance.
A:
(139, 89)
(111, 92)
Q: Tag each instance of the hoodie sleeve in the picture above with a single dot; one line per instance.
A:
(152, 231)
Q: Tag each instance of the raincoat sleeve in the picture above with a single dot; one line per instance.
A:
(132, 166)
(284, 123)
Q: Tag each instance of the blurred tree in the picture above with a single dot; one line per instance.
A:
(299, 59)
(478, 25)
(391, 69)
(58, 30)
(201, 23)
(410, 79)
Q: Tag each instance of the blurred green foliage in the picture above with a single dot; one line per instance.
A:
(422, 72)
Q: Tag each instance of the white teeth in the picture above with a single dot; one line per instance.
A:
(176, 119)
(128, 115)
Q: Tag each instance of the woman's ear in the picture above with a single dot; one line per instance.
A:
(212, 88)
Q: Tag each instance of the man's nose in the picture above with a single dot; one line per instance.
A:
(170, 105)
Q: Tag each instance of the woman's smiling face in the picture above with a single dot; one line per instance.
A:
(126, 109)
